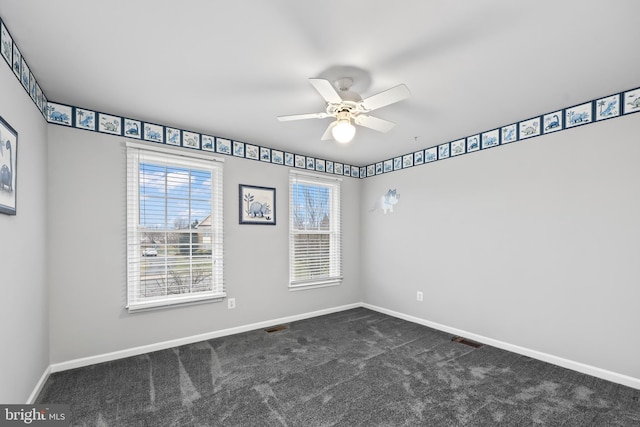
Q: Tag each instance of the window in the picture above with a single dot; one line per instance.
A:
(314, 231)
(174, 227)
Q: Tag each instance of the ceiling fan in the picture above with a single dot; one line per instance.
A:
(348, 107)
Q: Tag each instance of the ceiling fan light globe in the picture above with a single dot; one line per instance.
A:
(343, 132)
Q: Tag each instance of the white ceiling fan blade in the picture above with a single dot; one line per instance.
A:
(327, 133)
(302, 116)
(326, 90)
(374, 123)
(389, 96)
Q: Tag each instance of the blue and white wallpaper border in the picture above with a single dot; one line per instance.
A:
(585, 113)
(95, 121)
(593, 111)
(11, 54)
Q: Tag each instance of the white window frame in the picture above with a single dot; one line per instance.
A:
(334, 277)
(137, 153)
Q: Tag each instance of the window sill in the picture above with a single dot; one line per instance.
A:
(174, 302)
(315, 285)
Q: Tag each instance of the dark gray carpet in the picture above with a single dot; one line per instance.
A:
(354, 368)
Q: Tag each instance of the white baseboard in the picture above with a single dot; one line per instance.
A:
(39, 385)
(534, 354)
(135, 351)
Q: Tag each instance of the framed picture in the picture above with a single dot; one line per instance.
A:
(8, 162)
(257, 205)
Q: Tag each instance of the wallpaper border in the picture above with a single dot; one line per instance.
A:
(604, 108)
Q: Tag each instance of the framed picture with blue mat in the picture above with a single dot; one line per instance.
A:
(8, 167)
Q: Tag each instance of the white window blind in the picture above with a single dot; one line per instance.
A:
(174, 229)
(315, 242)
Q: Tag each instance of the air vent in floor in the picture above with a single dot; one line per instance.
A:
(276, 329)
(465, 341)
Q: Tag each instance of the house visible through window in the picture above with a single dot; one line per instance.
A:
(174, 230)
(314, 229)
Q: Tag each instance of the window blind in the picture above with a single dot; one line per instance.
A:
(315, 243)
(175, 249)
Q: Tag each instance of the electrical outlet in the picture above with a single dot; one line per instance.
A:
(231, 303)
(419, 296)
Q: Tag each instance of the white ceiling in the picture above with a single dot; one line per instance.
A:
(228, 68)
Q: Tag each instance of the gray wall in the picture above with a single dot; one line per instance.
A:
(24, 305)
(87, 225)
(535, 244)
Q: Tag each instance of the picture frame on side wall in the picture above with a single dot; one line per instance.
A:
(8, 167)
(257, 205)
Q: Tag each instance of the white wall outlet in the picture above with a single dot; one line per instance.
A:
(231, 303)
(419, 296)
